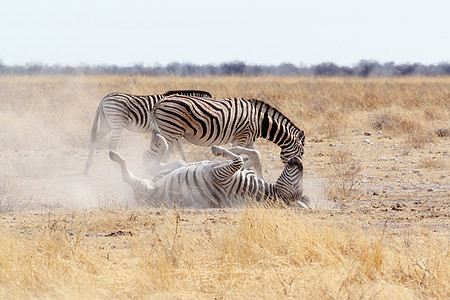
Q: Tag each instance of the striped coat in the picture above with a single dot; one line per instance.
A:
(117, 111)
(208, 121)
(209, 184)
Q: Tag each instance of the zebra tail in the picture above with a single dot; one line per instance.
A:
(153, 125)
(95, 124)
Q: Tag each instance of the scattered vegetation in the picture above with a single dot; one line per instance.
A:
(432, 163)
(8, 200)
(119, 251)
(345, 174)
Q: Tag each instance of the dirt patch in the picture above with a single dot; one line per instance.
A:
(380, 197)
(394, 189)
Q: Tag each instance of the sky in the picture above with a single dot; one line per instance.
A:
(124, 33)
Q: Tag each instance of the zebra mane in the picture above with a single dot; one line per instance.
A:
(194, 93)
(275, 114)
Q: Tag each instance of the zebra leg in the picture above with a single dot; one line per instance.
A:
(177, 142)
(254, 159)
(181, 150)
(236, 165)
(140, 187)
(253, 156)
(104, 130)
(115, 137)
(167, 155)
(257, 163)
(152, 158)
(222, 173)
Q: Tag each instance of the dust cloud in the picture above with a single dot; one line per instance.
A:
(46, 126)
(315, 189)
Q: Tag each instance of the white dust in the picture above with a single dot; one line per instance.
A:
(315, 189)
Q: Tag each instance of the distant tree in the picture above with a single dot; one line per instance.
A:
(286, 69)
(211, 70)
(365, 68)
(3, 68)
(346, 71)
(233, 68)
(444, 69)
(405, 69)
(188, 69)
(254, 70)
(326, 69)
(34, 68)
(173, 68)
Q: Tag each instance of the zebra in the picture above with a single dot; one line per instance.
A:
(216, 184)
(117, 111)
(208, 121)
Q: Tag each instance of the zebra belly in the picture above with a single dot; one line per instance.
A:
(205, 142)
(137, 129)
(188, 187)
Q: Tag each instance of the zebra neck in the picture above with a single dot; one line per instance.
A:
(271, 191)
(152, 99)
(156, 97)
(259, 189)
(273, 125)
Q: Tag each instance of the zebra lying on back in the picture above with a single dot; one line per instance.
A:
(207, 121)
(117, 111)
(217, 184)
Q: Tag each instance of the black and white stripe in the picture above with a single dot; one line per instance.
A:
(208, 121)
(209, 184)
(117, 111)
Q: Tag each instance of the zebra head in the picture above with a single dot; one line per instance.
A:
(289, 185)
(294, 147)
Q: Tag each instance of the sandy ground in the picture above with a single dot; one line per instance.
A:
(398, 186)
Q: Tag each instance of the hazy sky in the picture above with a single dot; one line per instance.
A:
(208, 31)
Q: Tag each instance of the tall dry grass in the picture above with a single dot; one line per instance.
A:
(256, 253)
(49, 111)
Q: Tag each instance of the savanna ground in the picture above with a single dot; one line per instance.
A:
(376, 169)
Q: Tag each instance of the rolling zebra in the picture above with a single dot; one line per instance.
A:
(208, 121)
(217, 184)
(117, 111)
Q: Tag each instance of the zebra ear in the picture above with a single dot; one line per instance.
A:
(295, 162)
(301, 137)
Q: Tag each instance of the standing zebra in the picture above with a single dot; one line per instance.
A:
(207, 121)
(117, 111)
(209, 184)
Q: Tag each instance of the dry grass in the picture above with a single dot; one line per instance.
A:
(7, 198)
(374, 246)
(344, 176)
(432, 163)
(405, 122)
(327, 106)
(266, 253)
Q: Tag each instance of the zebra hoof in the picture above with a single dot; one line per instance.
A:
(115, 156)
(217, 151)
(301, 204)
